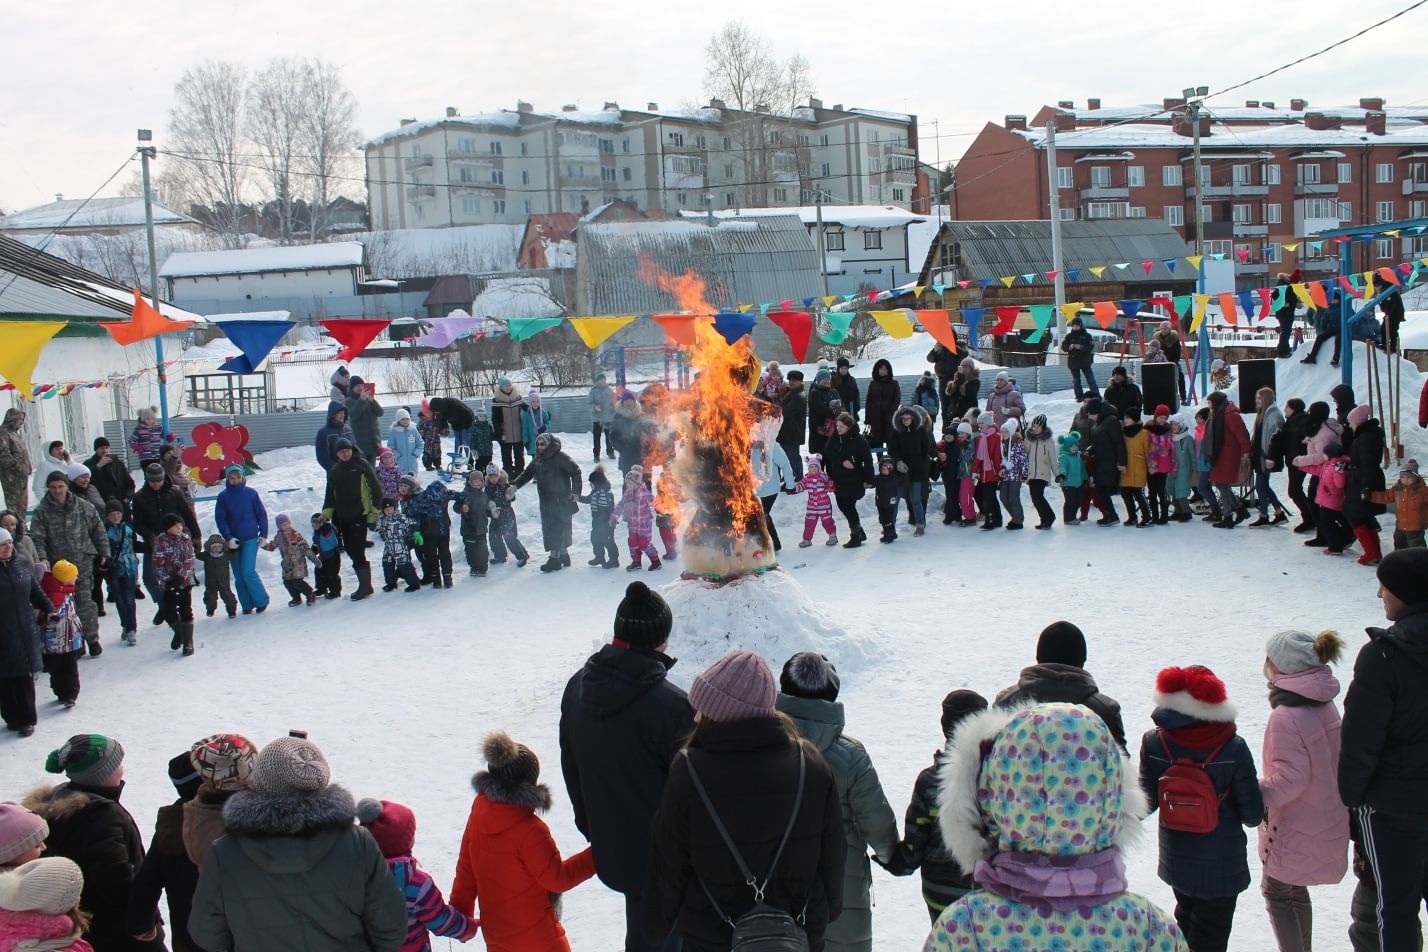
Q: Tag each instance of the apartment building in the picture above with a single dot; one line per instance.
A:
(1271, 178)
(502, 167)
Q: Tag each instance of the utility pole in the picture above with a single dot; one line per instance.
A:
(822, 253)
(1193, 102)
(146, 152)
(1053, 186)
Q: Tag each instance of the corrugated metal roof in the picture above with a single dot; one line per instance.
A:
(38, 285)
(993, 249)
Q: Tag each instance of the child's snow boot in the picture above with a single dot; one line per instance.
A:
(1368, 539)
(833, 540)
(131, 637)
(613, 563)
(186, 636)
(446, 580)
(804, 543)
(634, 565)
(655, 563)
(177, 640)
(552, 564)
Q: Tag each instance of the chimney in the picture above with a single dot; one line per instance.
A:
(1093, 103)
(815, 103)
(1251, 103)
(1267, 104)
(59, 196)
(1298, 105)
(1065, 121)
(1016, 123)
(1170, 102)
(610, 107)
(407, 122)
(1375, 123)
(652, 107)
(837, 107)
(1319, 122)
(1372, 104)
(717, 104)
(523, 106)
(452, 112)
(1065, 104)
(569, 107)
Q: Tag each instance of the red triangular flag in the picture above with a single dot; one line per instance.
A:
(1265, 294)
(144, 322)
(938, 324)
(1390, 276)
(797, 326)
(1149, 266)
(678, 327)
(354, 334)
(1006, 319)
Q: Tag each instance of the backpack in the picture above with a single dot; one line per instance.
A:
(763, 928)
(1186, 795)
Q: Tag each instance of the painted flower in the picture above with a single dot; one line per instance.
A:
(215, 447)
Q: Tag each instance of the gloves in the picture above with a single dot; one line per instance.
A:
(901, 466)
(510, 492)
(233, 543)
(417, 537)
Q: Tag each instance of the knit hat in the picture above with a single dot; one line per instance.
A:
(5, 536)
(1333, 448)
(968, 364)
(492, 469)
(224, 761)
(154, 471)
(388, 503)
(1402, 572)
(1132, 414)
(20, 830)
(1295, 651)
(355, 381)
(184, 778)
(282, 519)
(98, 442)
(811, 675)
(113, 505)
(1061, 643)
(1161, 410)
(410, 482)
(844, 362)
(643, 619)
(503, 381)
(533, 395)
(1003, 376)
(49, 885)
(290, 766)
(76, 470)
(1359, 415)
(509, 761)
(1039, 420)
(1092, 406)
(1409, 468)
(1195, 692)
(87, 759)
(391, 824)
(814, 461)
(232, 468)
(1009, 428)
(986, 419)
(1076, 322)
(737, 687)
(65, 571)
(343, 443)
(957, 707)
(964, 427)
(385, 452)
(635, 472)
(403, 414)
(172, 519)
(1120, 371)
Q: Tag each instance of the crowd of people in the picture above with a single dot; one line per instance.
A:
(743, 811)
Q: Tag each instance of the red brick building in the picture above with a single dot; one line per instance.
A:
(1272, 177)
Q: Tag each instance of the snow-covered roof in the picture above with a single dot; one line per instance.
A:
(504, 298)
(898, 117)
(1244, 113)
(505, 119)
(1159, 135)
(337, 254)
(423, 252)
(67, 214)
(849, 216)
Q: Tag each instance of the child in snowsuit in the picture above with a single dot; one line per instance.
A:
(389, 476)
(397, 532)
(173, 571)
(966, 448)
(124, 568)
(601, 500)
(667, 512)
(887, 494)
(1410, 498)
(327, 546)
(1333, 475)
(406, 441)
(475, 511)
(427, 508)
(1183, 478)
(504, 531)
(393, 826)
(1160, 462)
(296, 553)
(217, 576)
(1137, 473)
(987, 466)
(148, 436)
(638, 512)
(1073, 476)
(63, 642)
(820, 504)
(483, 436)
(922, 847)
(1013, 474)
(430, 432)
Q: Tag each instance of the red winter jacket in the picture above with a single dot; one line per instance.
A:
(1234, 446)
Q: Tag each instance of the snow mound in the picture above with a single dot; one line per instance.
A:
(770, 613)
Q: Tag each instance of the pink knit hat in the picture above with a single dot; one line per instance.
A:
(1359, 415)
(20, 831)
(737, 687)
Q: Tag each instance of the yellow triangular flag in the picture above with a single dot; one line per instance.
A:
(1194, 261)
(1368, 285)
(1201, 302)
(1393, 234)
(1008, 280)
(745, 308)
(1098, 270)
(1302, 293)
(22, 342)
(594, 331)
(917, 290)
(897, 323)
(1292, 246)
(1070, 310)
(829, 299)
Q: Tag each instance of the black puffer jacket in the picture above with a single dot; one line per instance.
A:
(922, 847)
(20, 595)
(819, 412)
(353, 490)
(910, 446)
(884, 398)
(111, 478)
(1384, 759)
(1108, 444)
(166, 869)
(750, 770)
(794, 428)
(89, 827)
(1063, 683)
(848, 483)
(621, 723)
(453, 412)
(150, 507)
(1080, 348)
(1122, 396)
(1365, 474)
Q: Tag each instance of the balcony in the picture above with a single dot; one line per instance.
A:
(1103, 193)
(417, 162)
(579, 182)
(1248, 190)
(1246, 230)
(464, 157)
(418, 193)
(1316, 188)
(1319, 264)
(1414, 187)
(1253, 267)
(1209, 191)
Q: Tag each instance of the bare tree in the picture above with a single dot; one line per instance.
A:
(741, 70)
(206, 140)
(329, 136)
(274, 120)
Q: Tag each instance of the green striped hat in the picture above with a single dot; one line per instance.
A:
(88, 759)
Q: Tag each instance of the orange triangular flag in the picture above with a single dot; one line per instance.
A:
(144, 322)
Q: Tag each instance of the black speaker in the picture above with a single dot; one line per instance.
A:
(1253, 375)
(1158, 385)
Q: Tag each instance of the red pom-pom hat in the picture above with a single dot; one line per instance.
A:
(1195, 692)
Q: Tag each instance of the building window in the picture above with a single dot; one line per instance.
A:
(1135, 176)
(676, 138)
(780, 194)
(466, 144)
(899, 195)
(607, 174)
(826, 170)
(700, 143)
(1320, 208)
(1346, 173)
(872, 241)
(803, 140)
(1136, 211)
(499, 206)
(1065, 177)
(1418, 172)
(1346, 211)
(625, 145)
(498, 177)
(574, 171)
(1383, 211)
(471, 206)
(681, 198)
(1174, 215)
(1273, 254)
(1246, 250)
(465, 174)
(1383, 172)
(525, 177)
(1383, 248)
(1271, 175)
(1418, 209)
(1209, 212)
(495, 148)
(1418, 247)
(626, 173)
(727, 143)
(1243, 214)
(1240, 174)
(1171, 176)
(1272, 214)
(1205, 176)
(1100, 176)
(526, 206)
(1067, 214)
(833, 241)
(728, 199)
(1218, 247)
(728, 170)
(1106, 210)
(525, 149)
(1309, 174)
(823, 140)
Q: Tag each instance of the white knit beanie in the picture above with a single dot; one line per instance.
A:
(51, 885)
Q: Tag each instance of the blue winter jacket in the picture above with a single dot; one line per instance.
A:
(407, 444)
(239, 514)
(780, 471)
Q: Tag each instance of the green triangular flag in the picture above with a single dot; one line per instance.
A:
(1041, 313)
(524, 328)
(838, 324)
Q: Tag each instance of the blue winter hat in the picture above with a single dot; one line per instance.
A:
(503, 381)
(232, 468)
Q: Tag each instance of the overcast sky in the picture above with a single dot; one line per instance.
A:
(81, 75)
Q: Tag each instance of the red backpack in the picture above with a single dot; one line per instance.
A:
(1186, 795)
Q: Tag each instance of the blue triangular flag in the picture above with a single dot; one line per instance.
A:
(973, 317)
(939, 288)
(985, 283)
(807, 302)
(1247, 303)
(254, 339)
(1130, 308)
(732, 326)
(1169, 265)
(848, 297)
(1073, 274)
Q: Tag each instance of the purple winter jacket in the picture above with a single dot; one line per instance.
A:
(1304, 839)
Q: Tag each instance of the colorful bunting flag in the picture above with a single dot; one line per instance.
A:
(1070, 310)
(1029, 278)
(1316, 246)
(1041, 314)
(1130, 308)
(679, 328)
(354, 334)
(255, 339)
(829, 300)
(144, 322)
(1246, 299)
(917, 290)
(1193, 261)
(1104, 312)
(1242, 255)
(1008, 280)
(1006, 319)
(1073, 274)
(1169, 265)
(939, 288)
(1202, 301)
(1098, 270)
(797, 326)
(896, 323)
(938, 324)
(972, 316)
(23, 342)
(524, 328)
(1229, 310)
(1180, 307)
(445, 331)
(1302, 293)
(1317, 295)
(1389, 276)
(1148, 266)
(1121, 265)
(732, 327)
(1291, 246)
(1264, 310)
(1051, 275)
(838, 324)
(594, 331)
(1348, 286)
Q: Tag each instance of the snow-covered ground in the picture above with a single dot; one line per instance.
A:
(399, 690)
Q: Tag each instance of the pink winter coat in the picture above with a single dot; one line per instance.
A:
(818, 486)
(1333, 479)
(1304, 839)
(635, 508)
(1331, 432)
(17, 927)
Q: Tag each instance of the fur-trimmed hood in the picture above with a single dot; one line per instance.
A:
(63, 801)
(994, 795)
(532, 797)
(300, 815)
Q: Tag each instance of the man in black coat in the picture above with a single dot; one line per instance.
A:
(110, 476)
(20, 658)
(1108, 445)
(1122, 393)
(558, 485)
(1383, 762)
(793, 431)
(1060, 676)
(1080, 350)
(847, 386)
(353, 502)
(944, 364)
(157, 498)
(621, 724)
(454, 414)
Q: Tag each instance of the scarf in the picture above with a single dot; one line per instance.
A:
(1280, 696)
(1201, 735)
(1055, 883)
(984, 455)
